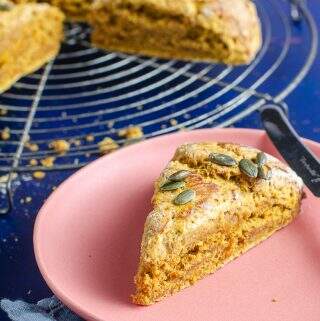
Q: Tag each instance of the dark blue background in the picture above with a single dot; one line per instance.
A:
(19, 276)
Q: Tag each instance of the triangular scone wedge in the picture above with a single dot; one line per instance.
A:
(230, 214)
(30, 36)
(210, 30)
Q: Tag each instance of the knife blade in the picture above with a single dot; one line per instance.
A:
(290, 146)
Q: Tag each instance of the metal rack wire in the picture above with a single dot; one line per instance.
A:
(88, 91)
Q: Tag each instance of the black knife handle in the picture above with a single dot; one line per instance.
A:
(288, 143)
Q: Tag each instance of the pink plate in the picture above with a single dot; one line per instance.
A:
(87, 238)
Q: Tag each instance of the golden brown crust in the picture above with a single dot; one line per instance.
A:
(214, 30)
(231, 213)
(76, 10)
(30, 36)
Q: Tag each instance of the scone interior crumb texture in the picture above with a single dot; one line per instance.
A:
(76, 10)
(215, 30)
(230, 214)
(30, 35)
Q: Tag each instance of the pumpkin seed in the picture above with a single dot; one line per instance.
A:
(262, 173)
(5, 6)
(179, 176)
(222, 159)
(261, 159)
(248, 168)
(171, 186)
(185, 197)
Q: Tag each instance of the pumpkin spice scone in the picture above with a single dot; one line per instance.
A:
(213, 202)
(76, 10)
(30, 36)
(226, 31)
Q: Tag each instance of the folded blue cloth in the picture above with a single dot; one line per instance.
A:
(50, 309)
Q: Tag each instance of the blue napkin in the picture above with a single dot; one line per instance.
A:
(50, 309)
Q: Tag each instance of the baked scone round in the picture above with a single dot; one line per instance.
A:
(226, 31)
(75, 10)
(30, 36)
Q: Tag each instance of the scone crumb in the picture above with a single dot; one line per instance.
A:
(274, 300)
(131, 132)
(107, 145)
(75, 142)
(110, 123)
(60, 146)
(3, 111)
(89, 138)
(173, 122)
(33, 162)
(32, 147)
(39, 175)
(5, 133)
(48, 161)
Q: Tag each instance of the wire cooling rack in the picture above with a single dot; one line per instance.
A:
(88, 91)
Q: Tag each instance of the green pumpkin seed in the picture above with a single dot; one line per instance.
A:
(5, 6)
(261, 159)
(248, 168)
(171, 186)
(179, 176)
(222, 159)
(263, 174)
(185, 197)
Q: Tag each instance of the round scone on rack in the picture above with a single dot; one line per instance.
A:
(87, 97)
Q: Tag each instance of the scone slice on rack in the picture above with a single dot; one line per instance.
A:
(225, 31)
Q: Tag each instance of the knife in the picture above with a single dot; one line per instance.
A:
(290, 146)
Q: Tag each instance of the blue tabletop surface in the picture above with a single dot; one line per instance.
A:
(20, 277)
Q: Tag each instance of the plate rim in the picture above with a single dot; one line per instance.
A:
(68, 301)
